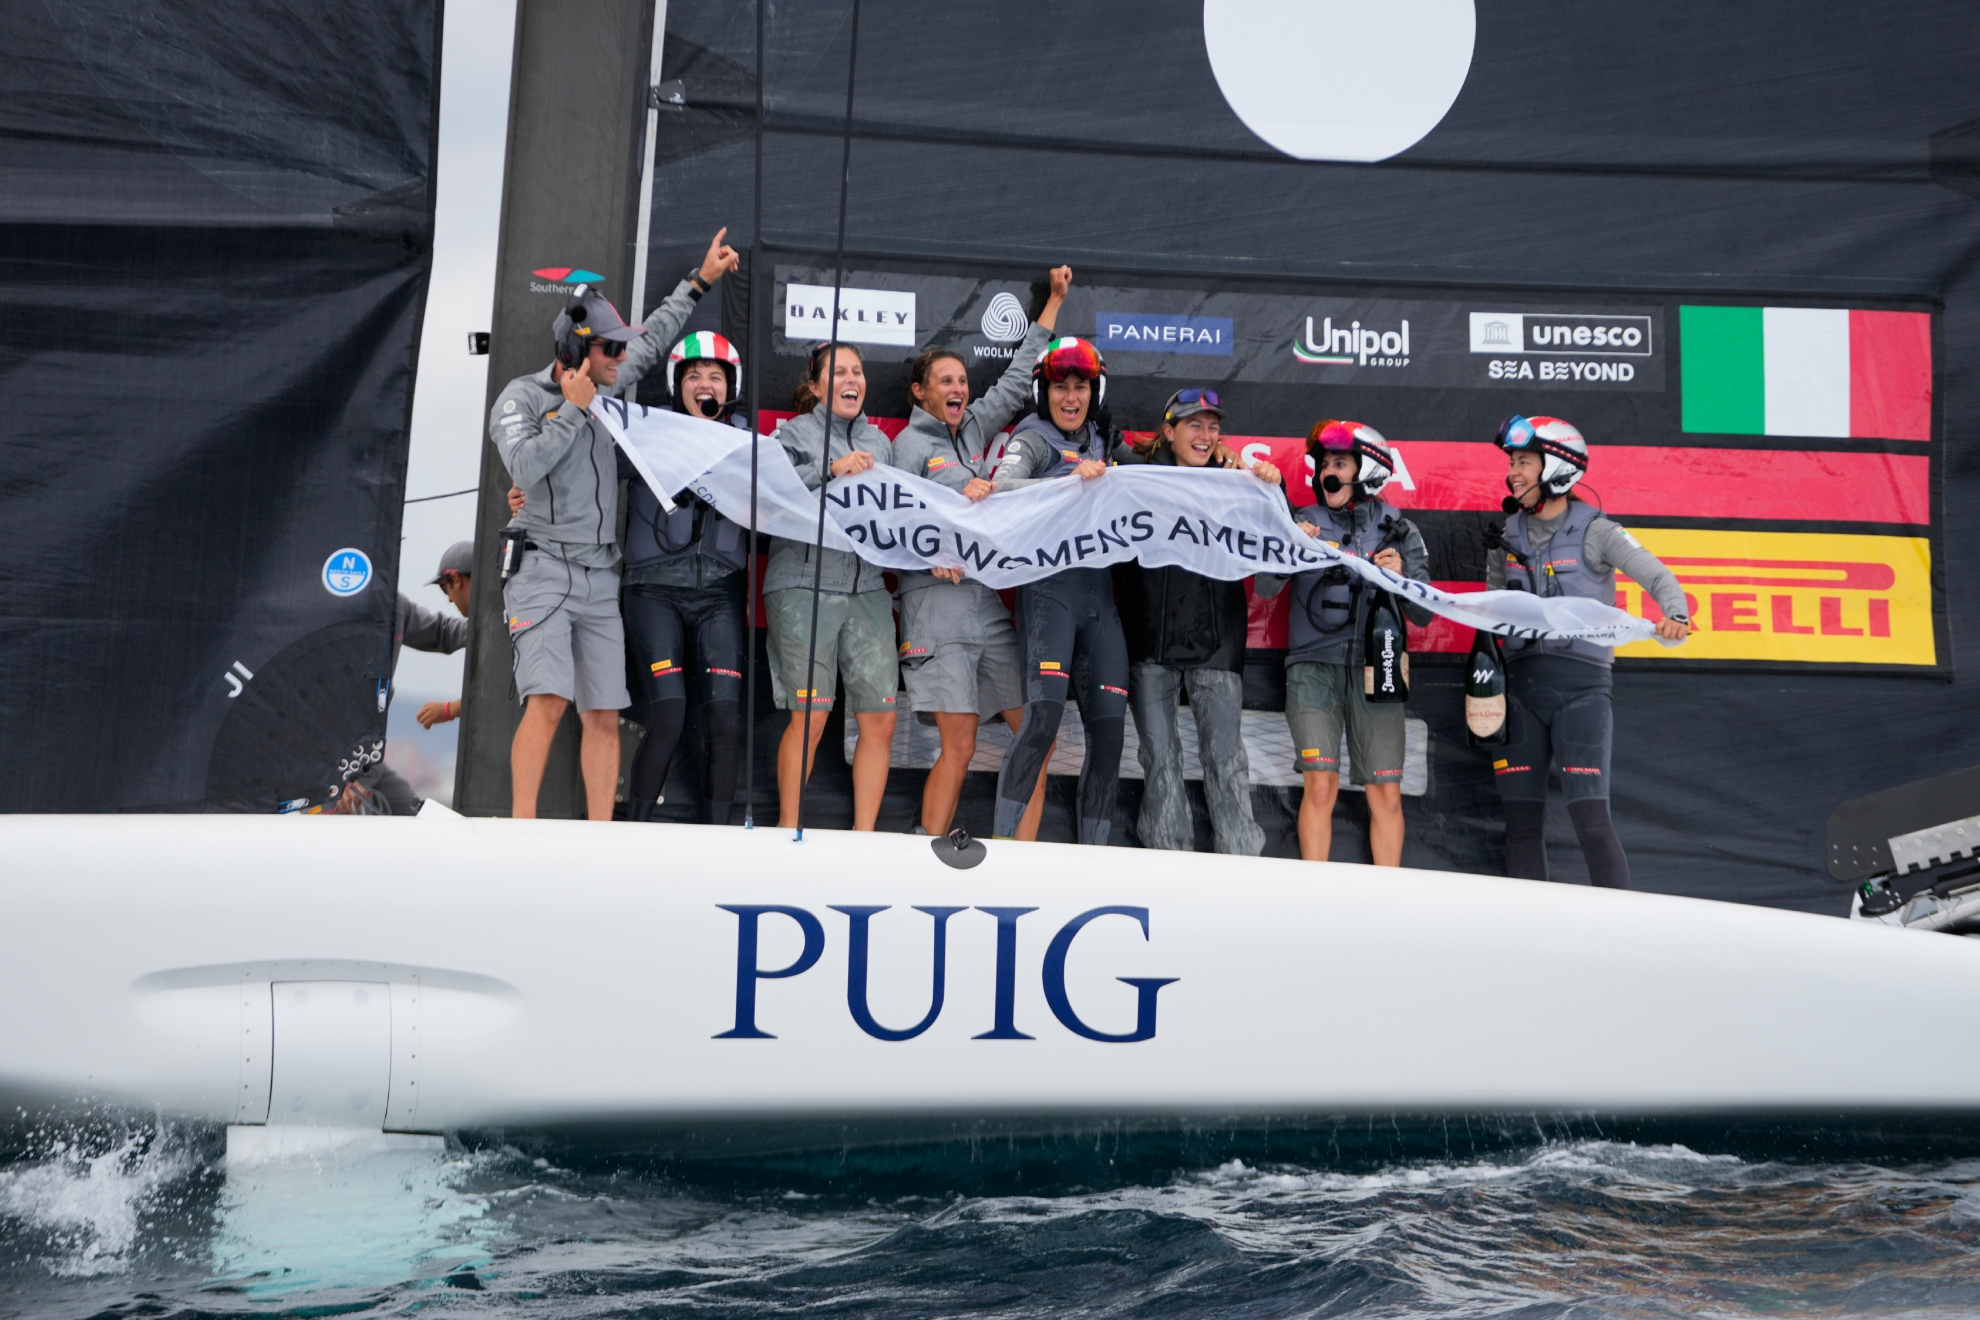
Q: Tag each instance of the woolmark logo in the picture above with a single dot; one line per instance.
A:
(1004, 320)
(1586, 334)
(1352, 345)
(866, 316)
(1140, 332)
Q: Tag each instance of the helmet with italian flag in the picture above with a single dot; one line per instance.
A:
(1063, 359)
(705, 346)
(1563, 453)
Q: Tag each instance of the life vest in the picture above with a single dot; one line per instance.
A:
(1326, 602)
(1561, 571)
(654, 536)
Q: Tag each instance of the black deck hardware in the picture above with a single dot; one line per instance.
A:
(957, 849)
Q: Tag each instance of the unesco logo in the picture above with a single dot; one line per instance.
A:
(346, 572)
(1004, 321)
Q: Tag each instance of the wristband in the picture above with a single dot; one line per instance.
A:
(695, 287)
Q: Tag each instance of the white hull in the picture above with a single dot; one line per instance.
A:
(422, 975)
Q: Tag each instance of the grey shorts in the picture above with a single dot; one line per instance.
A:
(855, 639)
(959, 652)
(565, 629)
(1321, 699)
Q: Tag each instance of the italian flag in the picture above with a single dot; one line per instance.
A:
(1806, 371)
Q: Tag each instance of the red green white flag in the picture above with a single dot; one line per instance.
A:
(1806, 371)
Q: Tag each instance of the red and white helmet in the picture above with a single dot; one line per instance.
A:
(1563, 452)
(1377, 462)
(705, 346)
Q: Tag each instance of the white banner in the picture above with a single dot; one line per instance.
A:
(1220, 523)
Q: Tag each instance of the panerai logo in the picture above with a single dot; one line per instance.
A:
(1352, 345)
(750, 971)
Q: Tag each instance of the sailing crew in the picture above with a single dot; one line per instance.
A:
(958, 649)
(1186, 632)
(1067, 629)
(831, 437)
(1325, 696)
(683, 602)
(1555, 544)
(560, 595)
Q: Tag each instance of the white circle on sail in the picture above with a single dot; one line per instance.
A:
(1340, 79)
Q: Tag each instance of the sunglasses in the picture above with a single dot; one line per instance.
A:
(611, 348)
(1199, 396)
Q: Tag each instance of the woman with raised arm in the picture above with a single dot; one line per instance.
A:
(959, 652)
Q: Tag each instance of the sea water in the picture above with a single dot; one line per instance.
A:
(1502, 1216)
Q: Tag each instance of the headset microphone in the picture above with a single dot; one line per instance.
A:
(708, 406)
(1331, 483)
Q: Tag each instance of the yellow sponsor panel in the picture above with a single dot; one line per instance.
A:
(1793, 596)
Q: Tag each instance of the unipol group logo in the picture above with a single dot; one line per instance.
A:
(562, 279)
(866, 316)
(1352, 345)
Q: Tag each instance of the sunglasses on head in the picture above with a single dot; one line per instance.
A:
(1199, 396)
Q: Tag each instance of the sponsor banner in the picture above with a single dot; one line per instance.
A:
(866, 316)
(1813, 371)
(1221, 524)
(1796, 597)
(1141, 333)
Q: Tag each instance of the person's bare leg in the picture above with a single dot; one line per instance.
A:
(1034, 811)
(871, 760)
(790, 763)
(598, 755)
(1316, 814)
(530, 752)
(1385, 823)
(945, 778)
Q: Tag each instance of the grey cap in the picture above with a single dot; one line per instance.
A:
(600, 320)
(1175, 410)
(458, 559)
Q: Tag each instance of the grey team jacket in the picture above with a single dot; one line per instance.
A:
(803, 438)
(425, 630)
(926, 448)
(565, 463)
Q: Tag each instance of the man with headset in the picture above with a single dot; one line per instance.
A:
(560, 591)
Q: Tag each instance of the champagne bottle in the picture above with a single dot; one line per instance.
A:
(1384, 651)
(1485, 692)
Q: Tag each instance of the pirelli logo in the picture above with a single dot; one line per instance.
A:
(1791, 596)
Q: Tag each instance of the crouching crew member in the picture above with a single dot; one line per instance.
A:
(1067, 629)
(683, 602)
(830, 436)
(1554, 544)
(959, 652)
(1187, 632)
(1324, 689)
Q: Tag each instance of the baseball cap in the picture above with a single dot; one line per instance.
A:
(1188, 403)
(458, 559)
(601, 320)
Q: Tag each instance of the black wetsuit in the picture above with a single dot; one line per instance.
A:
(683, 612)
(1071, 641)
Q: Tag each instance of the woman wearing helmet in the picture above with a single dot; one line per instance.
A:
(1324, 694)
(1554, 544)
(1066, 625)
(959, 653)
(683, 602)
(1187, 632)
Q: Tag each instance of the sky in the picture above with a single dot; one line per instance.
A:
(451, 397)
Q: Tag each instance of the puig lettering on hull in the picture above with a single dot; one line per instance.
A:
(1003, 1026)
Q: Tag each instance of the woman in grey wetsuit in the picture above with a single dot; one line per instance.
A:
(1560, 711)
(1068, 632)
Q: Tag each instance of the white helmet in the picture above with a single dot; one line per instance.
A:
(1563, 452)
(1376, 461)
